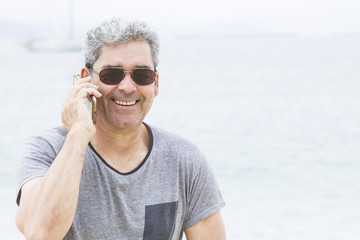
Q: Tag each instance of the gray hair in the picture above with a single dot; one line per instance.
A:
(119, 31)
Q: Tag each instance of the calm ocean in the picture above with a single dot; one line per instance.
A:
(278, 118)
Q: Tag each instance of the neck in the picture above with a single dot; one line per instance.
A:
(123, 151)
(120, 140)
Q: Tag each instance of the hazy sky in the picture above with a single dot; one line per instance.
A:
(305, 17)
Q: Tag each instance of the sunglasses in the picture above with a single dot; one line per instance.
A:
(114, 75)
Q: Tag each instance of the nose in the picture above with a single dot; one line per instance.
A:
(127, 84)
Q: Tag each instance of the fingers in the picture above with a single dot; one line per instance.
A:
(87, 91)
(83, 88)
(74, 107)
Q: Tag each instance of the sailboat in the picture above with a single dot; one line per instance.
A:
(56, 44)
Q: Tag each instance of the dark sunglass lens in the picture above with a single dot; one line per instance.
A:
(111, 76)
(143, 76)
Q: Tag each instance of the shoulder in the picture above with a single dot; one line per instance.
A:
(167, 141)
(175, 149)
(59, 132)
(48, 140)
(38, 153)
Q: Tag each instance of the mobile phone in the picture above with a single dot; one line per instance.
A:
(91, 105)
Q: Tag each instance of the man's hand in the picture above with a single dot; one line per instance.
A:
(75, 114)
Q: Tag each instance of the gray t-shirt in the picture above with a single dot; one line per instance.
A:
(171, 190)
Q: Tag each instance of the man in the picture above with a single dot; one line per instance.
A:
(119, 178)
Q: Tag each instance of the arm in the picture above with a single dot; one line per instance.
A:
(47, 205)
(210, 228)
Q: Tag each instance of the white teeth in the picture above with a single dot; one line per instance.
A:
(124, 103)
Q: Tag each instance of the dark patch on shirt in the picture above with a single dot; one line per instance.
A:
(160, 221)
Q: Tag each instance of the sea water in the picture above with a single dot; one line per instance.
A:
(278, 119)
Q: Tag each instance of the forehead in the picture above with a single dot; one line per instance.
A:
(131, 54)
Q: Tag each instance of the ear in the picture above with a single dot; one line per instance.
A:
(84, 72)
(156, 85)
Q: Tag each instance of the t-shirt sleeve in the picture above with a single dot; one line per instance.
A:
(34, 161)
(204, 197)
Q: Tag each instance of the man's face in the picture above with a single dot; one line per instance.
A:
(125, 105)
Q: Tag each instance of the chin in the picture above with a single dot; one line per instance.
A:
(126, 124)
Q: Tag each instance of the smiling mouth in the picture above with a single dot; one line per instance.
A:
(125, 103)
